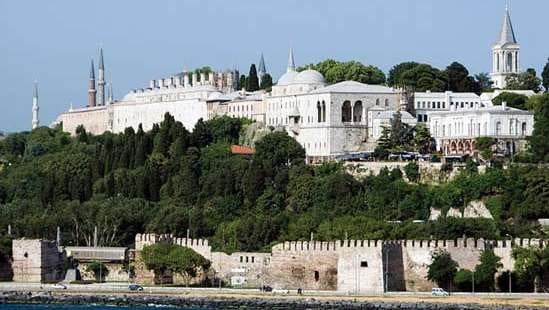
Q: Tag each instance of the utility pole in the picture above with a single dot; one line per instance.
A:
(510, 287)
(473, 283)
(9, 229)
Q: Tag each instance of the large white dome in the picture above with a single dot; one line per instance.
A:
(287, 78)
(309, 77)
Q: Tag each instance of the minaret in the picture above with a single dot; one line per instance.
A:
(110, 97)
(291, 62)
(261, 71)
(101, 80)
(505, 53)
(35, 107)
(91, 90)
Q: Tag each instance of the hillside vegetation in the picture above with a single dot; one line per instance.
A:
(169, 180)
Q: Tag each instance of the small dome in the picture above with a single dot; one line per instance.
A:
(309, 77)
(287, 78)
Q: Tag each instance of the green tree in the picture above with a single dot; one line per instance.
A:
(532, 263)
(442, 270)
(176, 259)
(463, 280)
(545, 76)
(412, 171)
(253, 80)
(395, 74)
(423, 77)
(422, 141)
(459, 79)
(523, 81)
(484, 82)
(512, 100)
(337, 71)
(266, 82)
(99, 270)
(484, 146)
(539, 142)
(485, 272)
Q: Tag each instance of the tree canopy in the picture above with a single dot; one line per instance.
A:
(337, 71)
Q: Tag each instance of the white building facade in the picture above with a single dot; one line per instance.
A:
(456, 131)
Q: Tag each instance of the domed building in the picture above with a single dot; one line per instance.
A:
(327, 120)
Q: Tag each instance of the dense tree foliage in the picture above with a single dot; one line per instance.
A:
(337, 71)
(174, 259)
(545, 76)
(266, 82)
(539, 143)
(532, 263)
(170, 180)
(512, 100)
(523, 81)
(252, 82)
(443, 269)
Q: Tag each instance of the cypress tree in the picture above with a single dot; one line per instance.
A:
(253, 80)
(267, 82)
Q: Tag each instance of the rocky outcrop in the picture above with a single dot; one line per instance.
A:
(475, 209)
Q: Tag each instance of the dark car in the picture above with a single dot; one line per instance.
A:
(266, 288)
(135, 287)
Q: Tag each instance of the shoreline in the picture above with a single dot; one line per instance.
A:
(220, 300)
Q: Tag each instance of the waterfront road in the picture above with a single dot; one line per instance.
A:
(531, 299)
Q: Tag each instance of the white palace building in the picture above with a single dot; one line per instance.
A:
(327, 120)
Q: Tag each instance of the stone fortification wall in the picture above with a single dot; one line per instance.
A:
(115, 273)
(36, 260)
(363, 266)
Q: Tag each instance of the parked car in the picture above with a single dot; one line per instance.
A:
(266, 288)
(437, 291)
(60, 286)
(135, 287)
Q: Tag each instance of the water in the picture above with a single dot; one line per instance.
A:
(86, 307)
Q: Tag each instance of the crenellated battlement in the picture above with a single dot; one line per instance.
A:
(142, 240)
(464, 243)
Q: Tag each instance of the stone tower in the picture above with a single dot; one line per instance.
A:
(91, 89)
(101, 80)
(261, 69)
(505, 53)
(35, 107)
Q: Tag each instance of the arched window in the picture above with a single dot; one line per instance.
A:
(509, 62)
(498, 128)
(357, 112)
(323, 111)
(319, 112)
(377, 101)
(346, 112)
(523, 129)
(386, 102)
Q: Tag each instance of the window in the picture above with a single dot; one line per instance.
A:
(498, 128)
(377, 102)
(363, 264)
(323, 111)
(386, 102)
(346, 112)
(241, 259)
(319, 112)
(523, 129)
(317, 275)
(357, 112)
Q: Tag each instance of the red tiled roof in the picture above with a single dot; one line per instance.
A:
(241, 150)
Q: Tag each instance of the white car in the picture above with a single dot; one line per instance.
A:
(437, 291)
(60, 286)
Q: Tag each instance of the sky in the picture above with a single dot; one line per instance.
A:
(53, 41)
